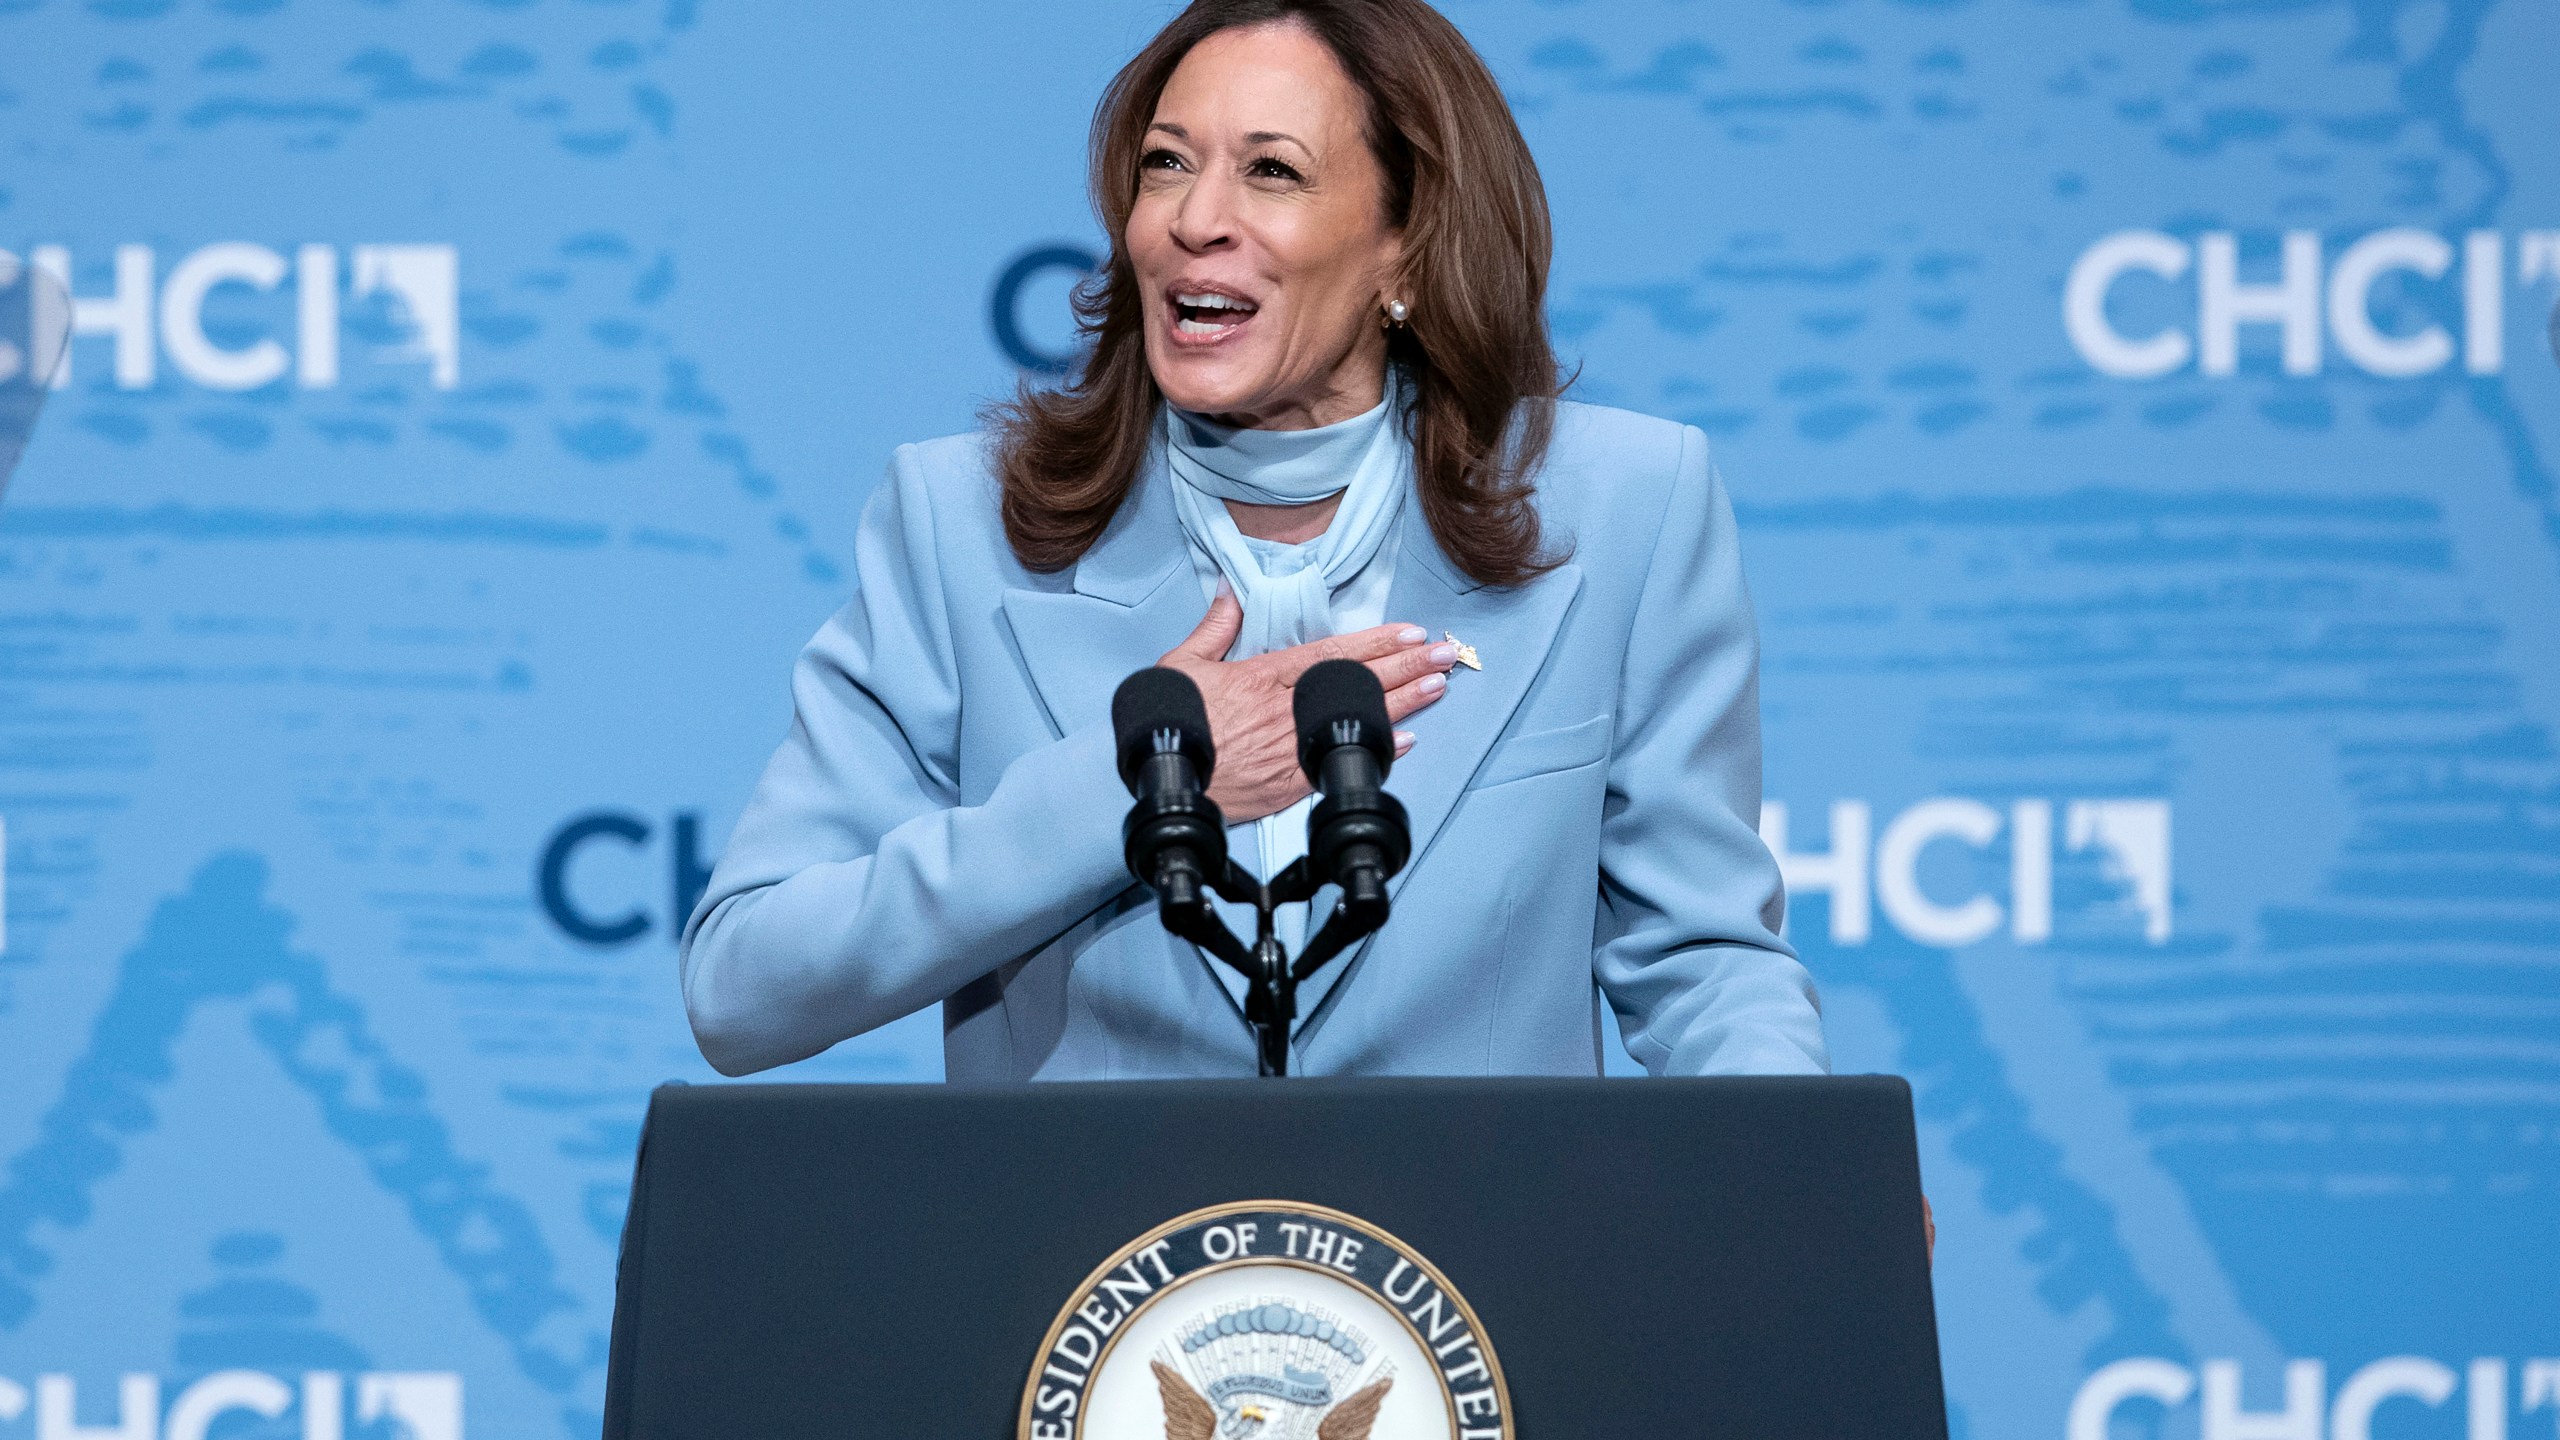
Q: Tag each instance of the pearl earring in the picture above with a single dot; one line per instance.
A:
(1397, 313)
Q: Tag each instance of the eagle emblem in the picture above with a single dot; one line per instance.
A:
(1188, 1415)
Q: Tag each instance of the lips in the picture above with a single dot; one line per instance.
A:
(1208, 312)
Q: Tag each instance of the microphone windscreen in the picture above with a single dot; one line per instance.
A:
(1159, 709)
(1340, 702)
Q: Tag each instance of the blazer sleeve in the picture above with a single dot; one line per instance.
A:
(1687, 947)
(856, 888)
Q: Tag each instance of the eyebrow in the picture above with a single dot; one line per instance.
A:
(1258, 137)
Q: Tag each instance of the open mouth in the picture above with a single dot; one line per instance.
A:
(1210, 313)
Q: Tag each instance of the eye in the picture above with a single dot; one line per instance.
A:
(1158, 159)
(1268, 167)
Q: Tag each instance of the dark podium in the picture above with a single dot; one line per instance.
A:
(1647, 1258)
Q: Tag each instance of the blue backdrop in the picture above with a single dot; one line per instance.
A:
(2142, 415)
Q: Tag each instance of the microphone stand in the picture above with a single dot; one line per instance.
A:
(1175, 842)
(1271, 981)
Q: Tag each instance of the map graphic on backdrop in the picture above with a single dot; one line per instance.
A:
(2142, 416)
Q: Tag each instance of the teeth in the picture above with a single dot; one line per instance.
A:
(1197, 327)
(1211, 302)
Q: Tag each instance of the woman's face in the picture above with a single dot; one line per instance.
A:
(1260, 235)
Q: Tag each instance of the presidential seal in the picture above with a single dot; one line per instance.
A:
(1266, 1320)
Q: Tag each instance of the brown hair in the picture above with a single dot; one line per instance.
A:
(1462, 187)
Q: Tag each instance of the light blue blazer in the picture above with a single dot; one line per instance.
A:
(943, 824)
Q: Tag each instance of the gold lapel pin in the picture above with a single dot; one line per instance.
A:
(1466, 652)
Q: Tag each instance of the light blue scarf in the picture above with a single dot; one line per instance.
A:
(1287, 590)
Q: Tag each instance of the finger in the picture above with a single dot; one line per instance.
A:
(1406, 666)
(1405, 699)
(1404, 742)
(1216, 633)
(1370, 644)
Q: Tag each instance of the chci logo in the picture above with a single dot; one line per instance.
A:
(1266, 1320)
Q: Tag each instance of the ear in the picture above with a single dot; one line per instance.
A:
(1393, 280)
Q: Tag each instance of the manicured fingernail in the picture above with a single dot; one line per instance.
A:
(1444, 655)
(1433, 684)
(1413, 635)
(1404, 741)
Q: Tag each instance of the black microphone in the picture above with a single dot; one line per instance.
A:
(1358, 837)
(1174, 839)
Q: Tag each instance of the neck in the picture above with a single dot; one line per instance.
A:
(1285, 524)
(1353, 388)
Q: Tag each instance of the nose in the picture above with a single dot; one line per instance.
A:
(1205, 220)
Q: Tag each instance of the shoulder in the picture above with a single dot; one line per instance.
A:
(950, 470)
(943, 493)
(1609, 470)
(1606, 431)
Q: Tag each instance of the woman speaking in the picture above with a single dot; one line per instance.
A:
(1317, 418)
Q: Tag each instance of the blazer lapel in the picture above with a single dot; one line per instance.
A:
(1123, 614)
(1133, 599)
(1512, 630)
